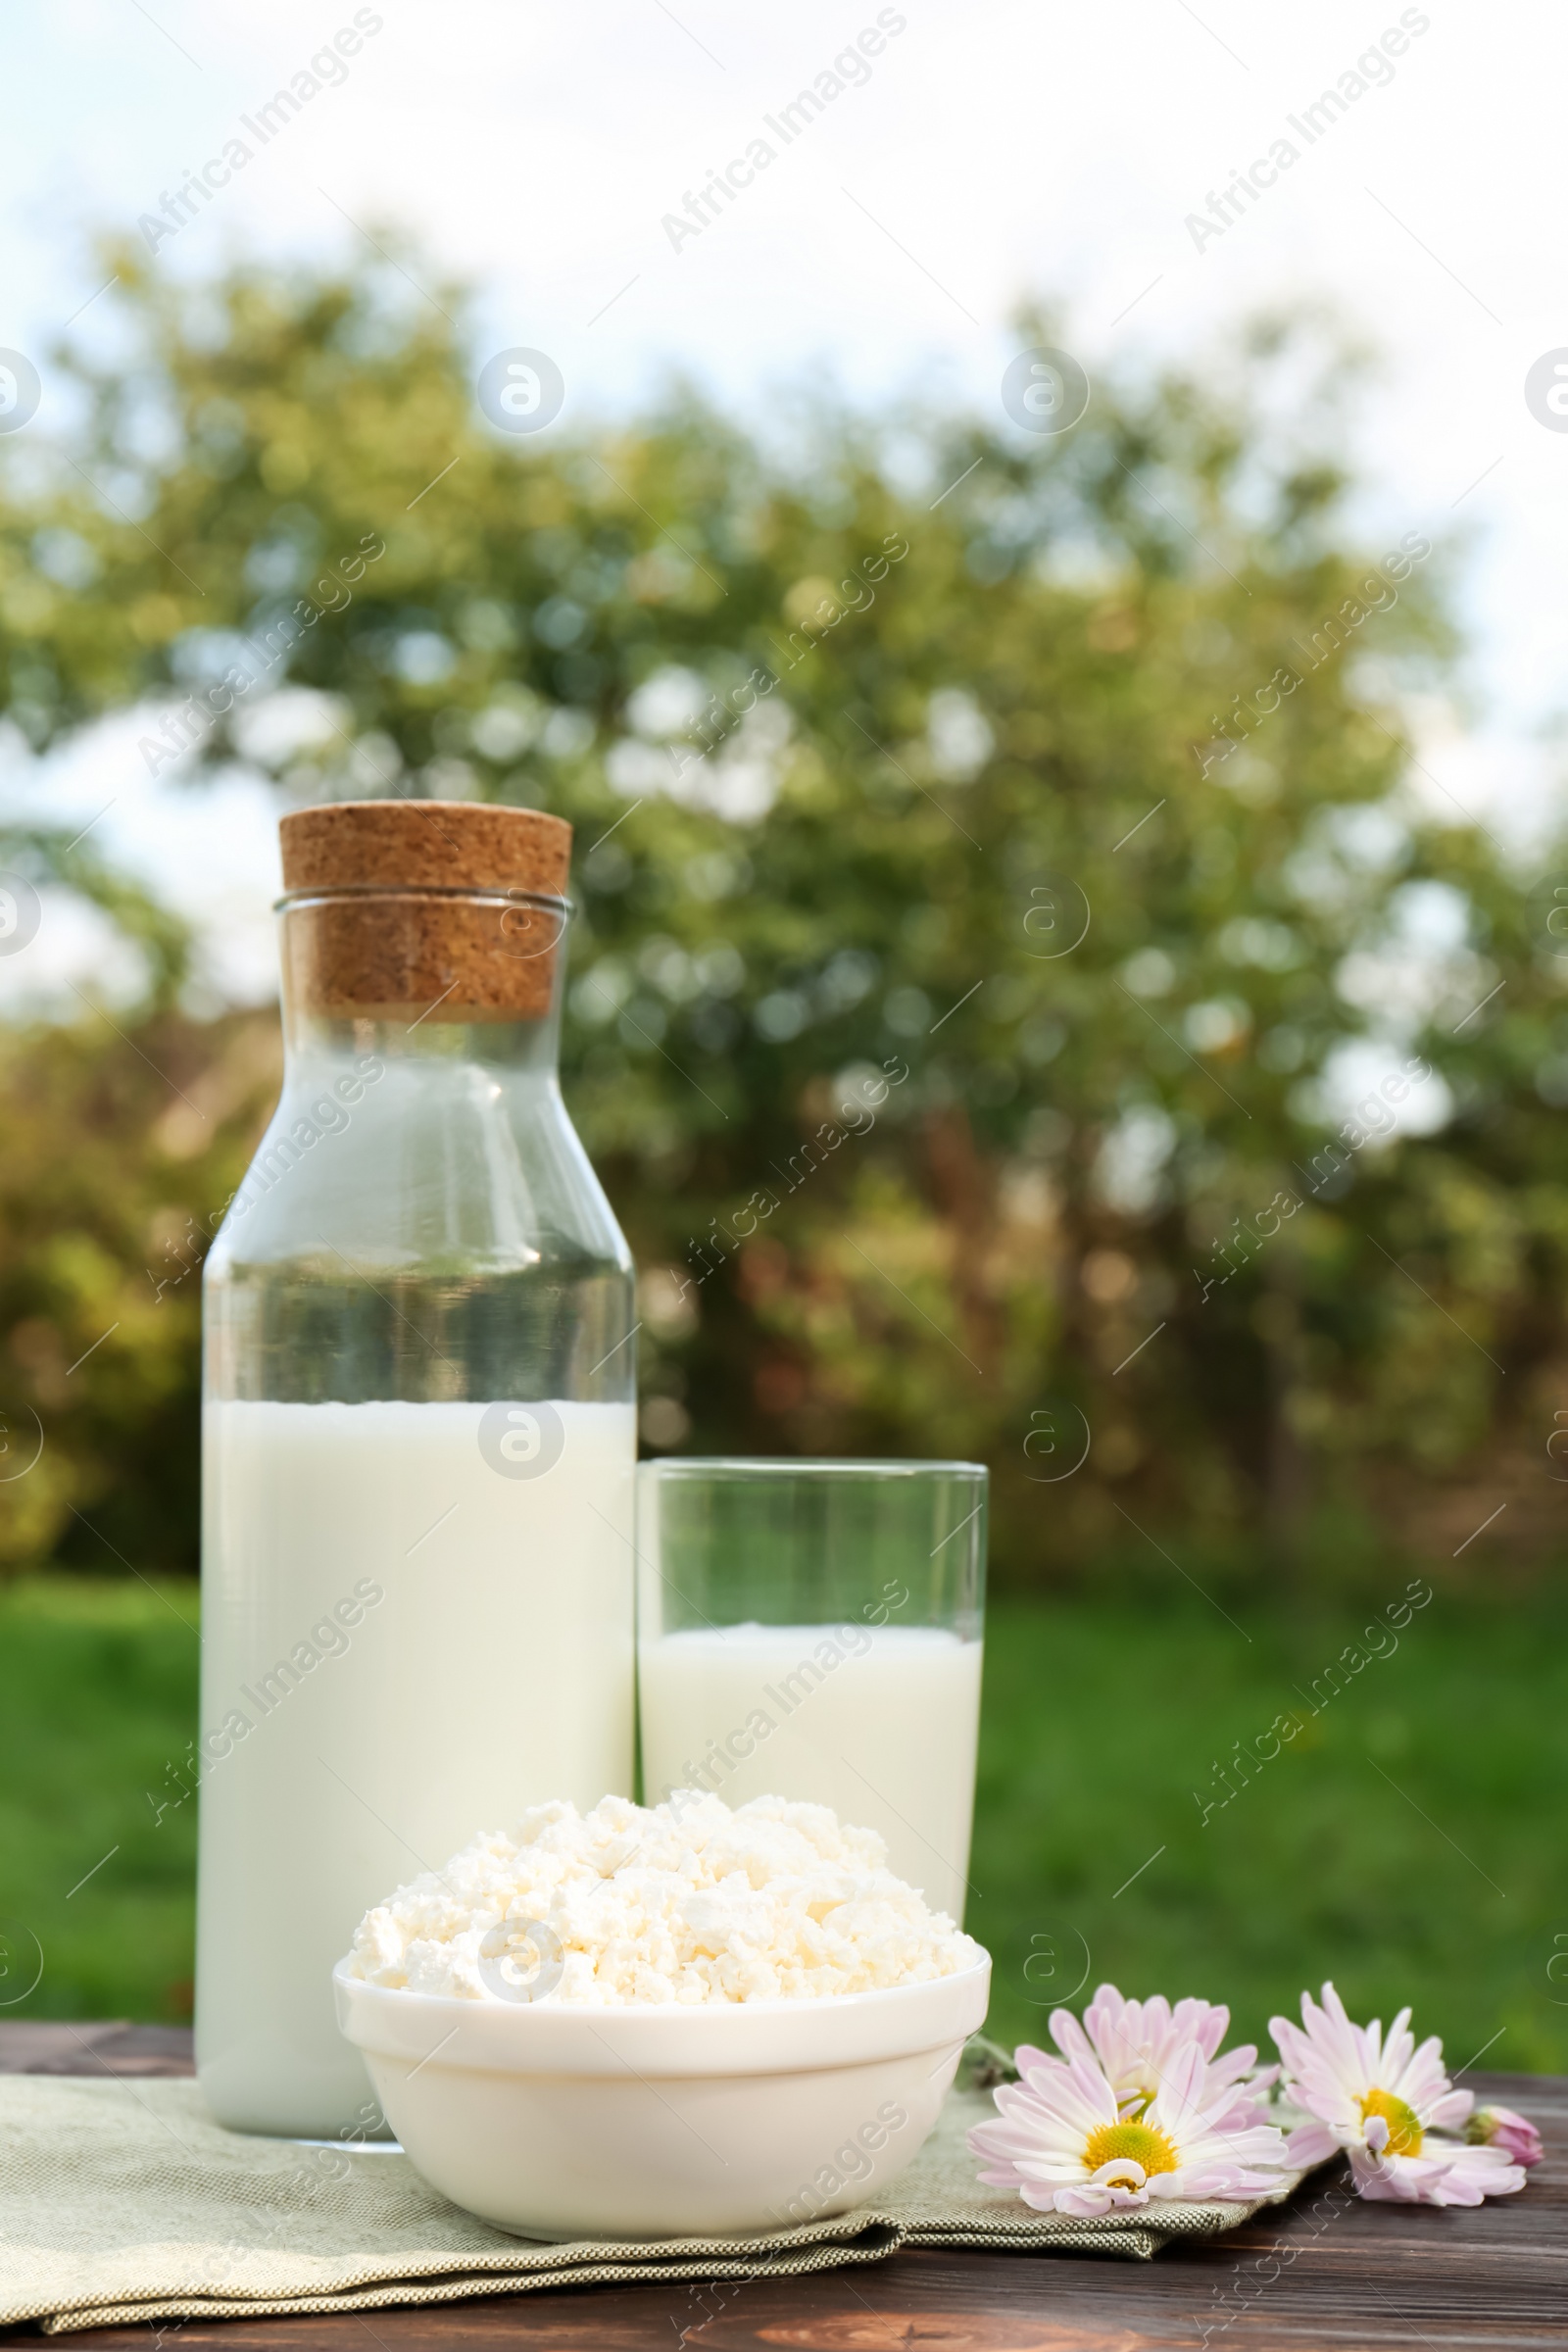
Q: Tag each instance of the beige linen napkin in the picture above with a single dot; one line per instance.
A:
(122, 2201)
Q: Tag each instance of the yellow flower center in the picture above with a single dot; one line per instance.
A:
(1404, 2124)
(1142, 2143)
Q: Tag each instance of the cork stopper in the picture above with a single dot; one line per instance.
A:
(407, 908)
(425, 845)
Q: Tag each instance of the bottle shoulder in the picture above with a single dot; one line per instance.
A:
(412, 1167)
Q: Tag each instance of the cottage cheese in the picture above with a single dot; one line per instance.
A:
(686, 1901)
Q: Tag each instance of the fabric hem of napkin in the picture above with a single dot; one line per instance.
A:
(413, 2293)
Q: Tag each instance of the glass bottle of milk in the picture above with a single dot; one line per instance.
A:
(419, 1433)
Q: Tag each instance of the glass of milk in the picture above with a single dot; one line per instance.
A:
(812, 1630)
(420, 1434)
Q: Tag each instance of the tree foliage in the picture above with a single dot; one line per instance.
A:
(987, 848)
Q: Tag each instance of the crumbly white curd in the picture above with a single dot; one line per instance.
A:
(686, 1901)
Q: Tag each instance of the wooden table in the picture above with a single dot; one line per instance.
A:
(1365, 2277)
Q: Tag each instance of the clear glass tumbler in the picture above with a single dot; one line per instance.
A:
(812, 1630)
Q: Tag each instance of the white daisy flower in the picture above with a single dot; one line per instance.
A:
(1137, 2042)
(1384, 2103)
(1063, 2140)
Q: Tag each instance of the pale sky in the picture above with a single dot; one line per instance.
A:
(985, 154)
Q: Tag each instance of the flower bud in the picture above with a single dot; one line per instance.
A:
(1501, 2127)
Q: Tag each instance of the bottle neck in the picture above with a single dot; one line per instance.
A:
(423, 976)
(522, 1050)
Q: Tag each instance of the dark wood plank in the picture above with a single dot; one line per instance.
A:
(1326, 2274)
(105, 2046)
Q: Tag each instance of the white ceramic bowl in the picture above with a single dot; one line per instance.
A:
(662, 2121)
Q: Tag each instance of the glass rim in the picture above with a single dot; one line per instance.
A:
(507, 893)
(766, 1465)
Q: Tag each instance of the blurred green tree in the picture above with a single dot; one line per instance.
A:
(987, 845)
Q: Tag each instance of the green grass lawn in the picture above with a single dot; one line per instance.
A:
(1410, 1841)
(97, 1700)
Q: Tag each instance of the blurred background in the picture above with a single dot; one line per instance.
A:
(1040, 606)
